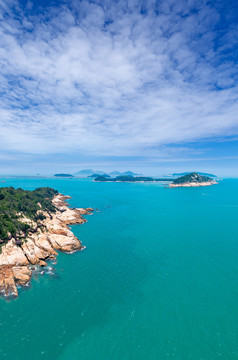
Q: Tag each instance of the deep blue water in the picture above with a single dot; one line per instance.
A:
(158, 279)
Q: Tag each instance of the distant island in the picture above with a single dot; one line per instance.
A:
(130, 178)
(63, 175)
(188, 180)
(97, 175)
(33, 226)
(86, 172)
(118, 173)
(91, 173)
(192, 180)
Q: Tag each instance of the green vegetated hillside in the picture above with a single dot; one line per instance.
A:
(15, 204)
(192, 178)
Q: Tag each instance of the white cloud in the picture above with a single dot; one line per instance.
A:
(110, 80)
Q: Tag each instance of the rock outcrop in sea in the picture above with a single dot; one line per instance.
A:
(52, 235)
(192, 180)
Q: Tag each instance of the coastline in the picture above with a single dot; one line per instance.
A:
(17, 261)
(193, 184)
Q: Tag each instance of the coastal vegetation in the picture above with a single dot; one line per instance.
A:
(17, 204)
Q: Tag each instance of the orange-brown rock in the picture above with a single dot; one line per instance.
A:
(41, 240)
(12, 255)
(22, 274)
(1, 280)
(7, 281)
(65, 243)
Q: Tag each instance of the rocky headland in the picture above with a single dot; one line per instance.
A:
(49, 235)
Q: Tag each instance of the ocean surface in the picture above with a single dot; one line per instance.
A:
(158, 279)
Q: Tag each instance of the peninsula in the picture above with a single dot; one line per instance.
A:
(33, 227)
(192, 180)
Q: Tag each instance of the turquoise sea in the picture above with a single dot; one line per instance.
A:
(158, 279)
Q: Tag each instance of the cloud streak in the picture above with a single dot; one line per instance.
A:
(124, 78)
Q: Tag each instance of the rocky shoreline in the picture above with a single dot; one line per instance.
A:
(193, 184)
(52, 235)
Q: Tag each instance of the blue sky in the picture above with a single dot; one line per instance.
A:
(148, 85)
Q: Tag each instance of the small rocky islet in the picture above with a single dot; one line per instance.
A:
(39, 230)
(192, 180)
